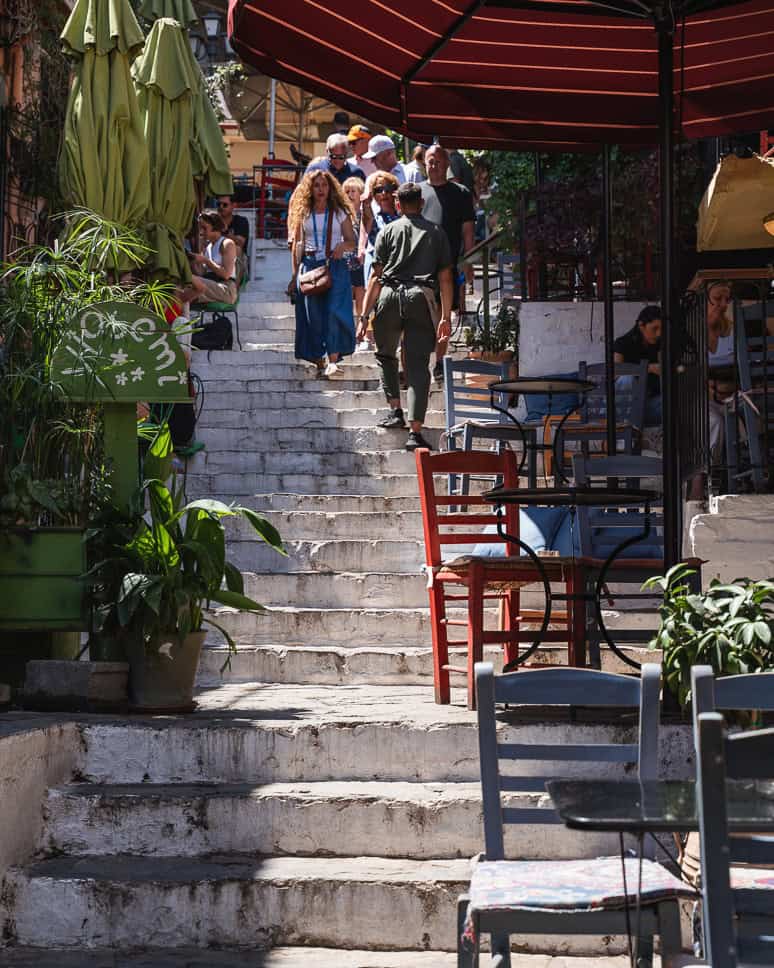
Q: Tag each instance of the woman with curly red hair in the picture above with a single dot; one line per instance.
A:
(325, 325)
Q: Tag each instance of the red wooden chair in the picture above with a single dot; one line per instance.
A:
(476, 579)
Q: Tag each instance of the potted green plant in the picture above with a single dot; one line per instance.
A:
(154, 575)
(728, 627)
(497, 341)
(52, 472)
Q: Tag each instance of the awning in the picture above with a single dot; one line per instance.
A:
(512, 73)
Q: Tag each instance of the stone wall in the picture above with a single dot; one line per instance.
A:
(32, 758)
(735, 537)
(556, 336)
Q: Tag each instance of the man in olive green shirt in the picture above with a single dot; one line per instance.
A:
(411, 260)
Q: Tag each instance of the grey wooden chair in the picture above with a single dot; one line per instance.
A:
(601, 530)
(738, 922)
(470, 404)
(566, 896)
(591, 427)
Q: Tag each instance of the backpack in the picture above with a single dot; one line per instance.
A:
(216, 335)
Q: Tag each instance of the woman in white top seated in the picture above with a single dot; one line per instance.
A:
(325, 325)
(214, 272)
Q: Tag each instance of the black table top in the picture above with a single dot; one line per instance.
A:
(542, 384)
(570, 496)
(628, 806)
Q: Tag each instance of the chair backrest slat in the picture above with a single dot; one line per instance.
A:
(591, 753)
(565, 687)
(531, 815)
(556, 687)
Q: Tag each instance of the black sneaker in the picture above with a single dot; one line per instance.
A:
(438, 372)
(416, 440)
(394, 421)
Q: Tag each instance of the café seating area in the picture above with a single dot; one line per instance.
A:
(635, 892)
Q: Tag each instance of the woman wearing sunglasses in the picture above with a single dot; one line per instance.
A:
(380, 187)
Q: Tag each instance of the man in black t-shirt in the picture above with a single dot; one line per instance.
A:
(237, 228)
(449, 205)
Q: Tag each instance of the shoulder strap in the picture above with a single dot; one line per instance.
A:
(329, 233)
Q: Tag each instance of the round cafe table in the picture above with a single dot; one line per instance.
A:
(546, 386)
(572, 497)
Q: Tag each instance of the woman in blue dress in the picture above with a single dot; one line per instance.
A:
(325, 325)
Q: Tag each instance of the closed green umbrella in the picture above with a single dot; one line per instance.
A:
(180, 10)
(167, 81)
(103, 164)
(210, 161)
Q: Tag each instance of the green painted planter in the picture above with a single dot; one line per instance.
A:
(40, 579)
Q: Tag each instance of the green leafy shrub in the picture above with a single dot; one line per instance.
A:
(501, 334)
(155, 571)
(51, 454)
(728, 627)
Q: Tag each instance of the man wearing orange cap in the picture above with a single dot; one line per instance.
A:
(358, 139)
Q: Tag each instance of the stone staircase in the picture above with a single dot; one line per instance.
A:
(318, 808)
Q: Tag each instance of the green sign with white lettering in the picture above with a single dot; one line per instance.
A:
(121, 353)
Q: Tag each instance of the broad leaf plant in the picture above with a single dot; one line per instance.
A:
(728, 627)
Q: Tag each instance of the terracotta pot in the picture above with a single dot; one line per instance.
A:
(161, 679)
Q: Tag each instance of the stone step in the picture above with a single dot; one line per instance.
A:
(338, 589)
(267, 733)
(273, 436)
(322, 396)
(369, 665)
(310, 525)
(236, 900)
(345, 819)
(298, 957)
(229, 485)
(247, 463)
(230, 365)
(327, 626)
(311, 418)
(331, 503)
(371, 589)
(355, 627)
(251, 553)
(309, 385)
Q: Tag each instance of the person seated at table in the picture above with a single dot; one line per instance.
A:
(214, 271)
(643, 342)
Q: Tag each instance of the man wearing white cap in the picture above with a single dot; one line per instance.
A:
(381, 150)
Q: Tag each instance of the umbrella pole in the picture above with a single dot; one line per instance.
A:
(273, 117)
(607, 210)
(672, 489)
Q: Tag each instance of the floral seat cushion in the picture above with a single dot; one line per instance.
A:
(570, 885)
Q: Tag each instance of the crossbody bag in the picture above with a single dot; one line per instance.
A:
(317, 281)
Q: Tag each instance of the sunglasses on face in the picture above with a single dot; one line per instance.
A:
(383, 190)
(337, 157)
